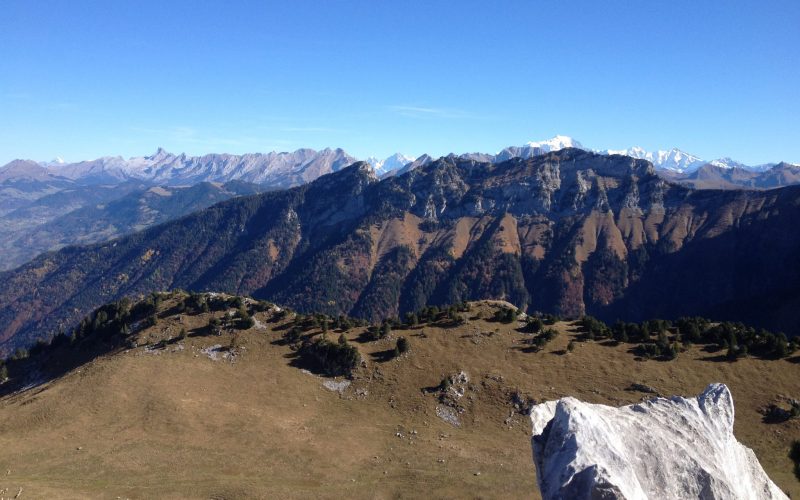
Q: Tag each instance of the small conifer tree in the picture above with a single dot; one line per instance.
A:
(402, 346)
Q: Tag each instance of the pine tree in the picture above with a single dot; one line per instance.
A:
(402, 346)
(732, 354)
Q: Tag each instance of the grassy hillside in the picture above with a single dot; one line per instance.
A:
(151, 414)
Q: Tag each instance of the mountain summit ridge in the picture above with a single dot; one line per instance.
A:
(275, 170)
(266, 167)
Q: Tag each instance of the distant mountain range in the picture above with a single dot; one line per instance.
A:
(93, 214)
(280, 170)
(35, 197)
(569, 232)
(673, 164)
(673, 161)
(274, 170)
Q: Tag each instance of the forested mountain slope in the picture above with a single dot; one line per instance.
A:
(570, 232)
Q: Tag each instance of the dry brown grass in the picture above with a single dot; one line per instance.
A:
(178, 425)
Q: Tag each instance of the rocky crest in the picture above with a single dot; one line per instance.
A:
(672, 448)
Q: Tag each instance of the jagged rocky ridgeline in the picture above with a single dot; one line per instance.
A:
(672, 448)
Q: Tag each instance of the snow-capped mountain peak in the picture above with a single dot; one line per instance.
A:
(394, 162)
(728, 163)
(673, 159)
(556, 143)
(530, 149)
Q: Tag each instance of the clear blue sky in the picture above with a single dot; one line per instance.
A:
(81, 79)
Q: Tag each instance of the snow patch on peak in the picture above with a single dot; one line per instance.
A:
(392, 163)
(673, 159)
(663, 448)
(555, 144)
(531, 149)
(727, 163)
(55, 162)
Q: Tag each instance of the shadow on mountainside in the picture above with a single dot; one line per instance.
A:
(735, 276)
(40, 368)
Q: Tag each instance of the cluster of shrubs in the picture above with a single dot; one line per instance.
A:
(113, 320)
(377, 332)
(536, 321)
(331, 358)
(506, 315)
(434, 314)
(664, 339)
(304, 323)
(341, 358)
(539, 341)
(533, 322)
(198, 303)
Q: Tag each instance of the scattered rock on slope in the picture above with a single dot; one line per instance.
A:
(663, 448)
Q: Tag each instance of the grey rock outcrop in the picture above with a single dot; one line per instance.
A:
(676, 448)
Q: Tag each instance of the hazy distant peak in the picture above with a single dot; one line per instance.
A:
(160, 155)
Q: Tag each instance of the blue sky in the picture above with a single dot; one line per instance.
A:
(82, 79)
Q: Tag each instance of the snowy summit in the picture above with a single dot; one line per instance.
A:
(555, 144)
(673, 159)
(392, 163)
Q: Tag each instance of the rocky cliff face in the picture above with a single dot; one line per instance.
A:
(569, 232)
(664, 448)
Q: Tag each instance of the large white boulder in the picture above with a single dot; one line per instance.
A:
(660, 449)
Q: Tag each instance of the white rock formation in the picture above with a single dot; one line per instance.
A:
(660, 449)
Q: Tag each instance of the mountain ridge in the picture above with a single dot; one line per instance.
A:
(570, 232)
(277, 170)
(255, 166)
